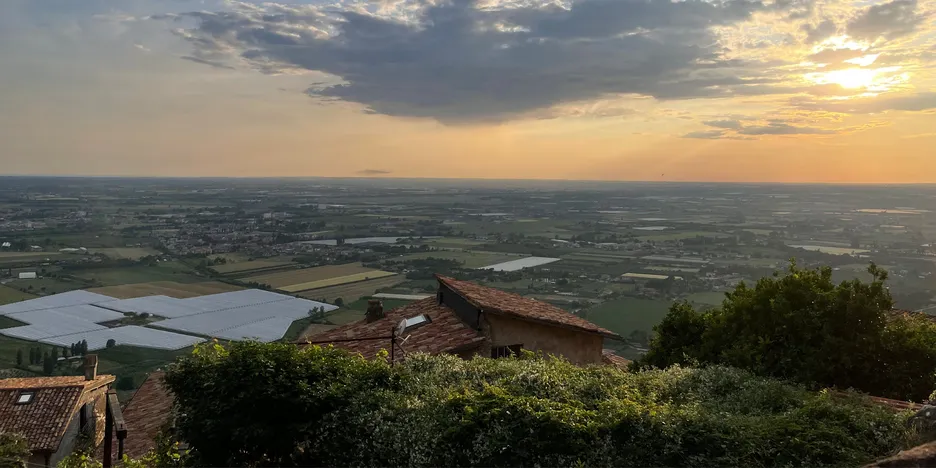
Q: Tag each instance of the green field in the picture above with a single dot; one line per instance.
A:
(7, 322)
(343, 316)
(673, 236)
(388, 304)
(135, 362)
(625, 315)
(47, 285)
(8, 295)
(472, 259)
(707, 298)
(169, 271)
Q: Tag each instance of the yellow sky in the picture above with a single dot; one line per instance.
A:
(94, 94)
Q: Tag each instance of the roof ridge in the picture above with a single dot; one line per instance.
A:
(540, 311)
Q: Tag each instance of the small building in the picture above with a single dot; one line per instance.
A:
(27, 275)
(148, 411)
(467, 319)
(51, 412)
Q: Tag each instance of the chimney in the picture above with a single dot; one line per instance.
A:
(90, 366)
(374, 311)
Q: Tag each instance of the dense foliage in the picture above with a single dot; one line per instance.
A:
(255, 404)
(14, 450)
(803, 327)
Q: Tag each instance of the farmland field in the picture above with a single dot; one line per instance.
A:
(46, 285)
(357, 277)
(353, 291)
(470, 259)
(251, 265)
(679, 236)
(166, 288)
(297, 277)
(126, 252)
(117, 276)
(8, 295)
(625, 315)
(135, 362)
(18, 257)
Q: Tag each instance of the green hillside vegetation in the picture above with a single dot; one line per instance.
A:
(254, 404)
(805, 328)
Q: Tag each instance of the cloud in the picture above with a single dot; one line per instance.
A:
(373, 172)
(779, 128)
(836, 55)
(729, 124)
(706, 135)
(917, 102)
(462, 60)
(820, 31)
(889, 20)
(211, 63)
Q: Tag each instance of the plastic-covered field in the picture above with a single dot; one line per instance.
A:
(70, 298)
(221, 323)
(130, 335)
(74, 316)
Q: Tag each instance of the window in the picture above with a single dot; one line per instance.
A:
(25, 398)
(506, 351)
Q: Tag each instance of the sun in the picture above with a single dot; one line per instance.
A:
(870, 79)
(852, 78)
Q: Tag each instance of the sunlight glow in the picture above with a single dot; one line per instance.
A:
(876, 79)
(863, 61)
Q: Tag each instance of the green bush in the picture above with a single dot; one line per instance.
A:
(277, 405)
(805, 328)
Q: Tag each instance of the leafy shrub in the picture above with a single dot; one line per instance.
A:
(14, 450)
(803, 327)
(278, 405)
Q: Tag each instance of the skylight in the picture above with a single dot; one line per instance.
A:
(25, 398)
(412, 323)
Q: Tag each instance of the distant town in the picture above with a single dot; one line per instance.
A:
(615, 254)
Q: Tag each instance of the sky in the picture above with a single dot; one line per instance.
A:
(840, 91)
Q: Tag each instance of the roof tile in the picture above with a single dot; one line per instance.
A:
(445, 333)
(491, 300)
(146, 413)
(43, 421)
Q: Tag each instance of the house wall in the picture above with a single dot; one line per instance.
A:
(95, 405)
(578, 347)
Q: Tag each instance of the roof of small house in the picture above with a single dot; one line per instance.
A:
(611, 358)
(495, 301)
(148, 410)
(45, 418)
(445, 333)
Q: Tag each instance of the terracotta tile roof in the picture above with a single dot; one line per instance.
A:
(43, 421)
(445, 333)
(609, 357)
(495, 301)
(148, 410)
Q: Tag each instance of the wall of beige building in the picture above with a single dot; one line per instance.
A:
(578, 347)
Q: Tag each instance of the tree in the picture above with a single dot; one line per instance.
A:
(125, 382)
(65, 353)
(339, 302)
(803, 327)
(14, 450)
(321, 406)
(48, 364)
(84, 347)
(32, 356)
(55, 354)
(19, 358)
(111, 343)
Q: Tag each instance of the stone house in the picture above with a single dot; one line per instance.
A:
(52, 412)
(467, 319)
